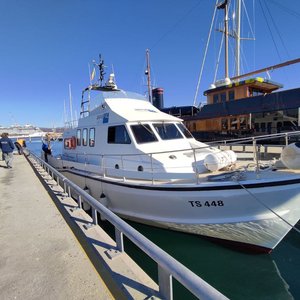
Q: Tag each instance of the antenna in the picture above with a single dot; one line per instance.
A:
(101, 70)
(147, 73)
(71, 106)
(65, 113)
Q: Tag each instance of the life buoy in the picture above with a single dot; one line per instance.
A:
(70, 143)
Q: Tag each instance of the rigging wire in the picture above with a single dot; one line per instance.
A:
(175, 25)
(273, 39)
(205, 53)
(218, 60)
(286, 9)
(277, 30)
(267, 207)
(248, 19)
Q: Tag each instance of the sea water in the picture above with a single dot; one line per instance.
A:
(237, 275)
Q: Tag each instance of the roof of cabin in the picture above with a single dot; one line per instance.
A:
(259, 83)
(126, 106)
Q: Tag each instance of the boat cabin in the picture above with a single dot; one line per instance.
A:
(241, 89)
(241, 108)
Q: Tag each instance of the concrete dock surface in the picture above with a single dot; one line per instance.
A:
(40, 257)
(45, 251)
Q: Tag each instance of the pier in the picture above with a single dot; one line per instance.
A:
(50, 248)
(40, 256)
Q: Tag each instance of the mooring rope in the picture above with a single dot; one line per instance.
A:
(270, 209)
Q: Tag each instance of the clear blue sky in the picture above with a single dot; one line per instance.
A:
(45, 45)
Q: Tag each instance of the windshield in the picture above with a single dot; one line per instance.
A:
(167, 131)
(143, 133)
(184, 130)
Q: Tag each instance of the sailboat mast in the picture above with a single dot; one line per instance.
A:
(226, 39)
(237, 37)
(148, 75)
(71, 106)
(224, 5)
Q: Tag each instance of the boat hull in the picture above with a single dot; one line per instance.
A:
(258, 217)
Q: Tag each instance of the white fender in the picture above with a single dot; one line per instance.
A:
(290, 156)
(219, 160)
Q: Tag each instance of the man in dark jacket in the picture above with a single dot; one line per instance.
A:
(7, 147)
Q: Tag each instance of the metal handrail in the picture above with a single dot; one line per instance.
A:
(168, 267)
(285, 135)
(193, 150)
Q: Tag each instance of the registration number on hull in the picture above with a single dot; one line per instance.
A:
(206, 203)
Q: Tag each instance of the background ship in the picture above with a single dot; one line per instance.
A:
(26, 131)
(241, 105)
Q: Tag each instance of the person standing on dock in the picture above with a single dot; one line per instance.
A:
(47, 150)
(7, 148)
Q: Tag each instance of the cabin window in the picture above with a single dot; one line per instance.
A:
(92, 137)
(263, 127)
(224, 123)
(167, 131)
(67, 143)
(279, 127)
(184, 130)
(143, 133)
(216, 98)
(231, 95)
(78, 137)
(84, 137)
(233, 124)
(118, 135)
(243, 123)
(269, 127)
(223, 97)
(254, 92)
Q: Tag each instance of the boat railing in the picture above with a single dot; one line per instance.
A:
(284, 136)
(144, 166)
(168, 267)
(147, 166)
(71, 124)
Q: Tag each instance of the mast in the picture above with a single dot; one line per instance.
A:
(238, 38)
(224, 5)
(71, 106)
(147, 73)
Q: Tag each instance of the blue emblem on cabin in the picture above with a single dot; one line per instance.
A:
(105, 118)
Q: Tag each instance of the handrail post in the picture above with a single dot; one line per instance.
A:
(122, 166)
(103, 167)
(95, 217)
(165, 283)
(196, 170)
(65, 186)
(255, 158)
(286, 139)
(151, 163)
(79, 202)
(119, 239)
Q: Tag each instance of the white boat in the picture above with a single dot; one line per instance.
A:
(22, 131)
(145, 166)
